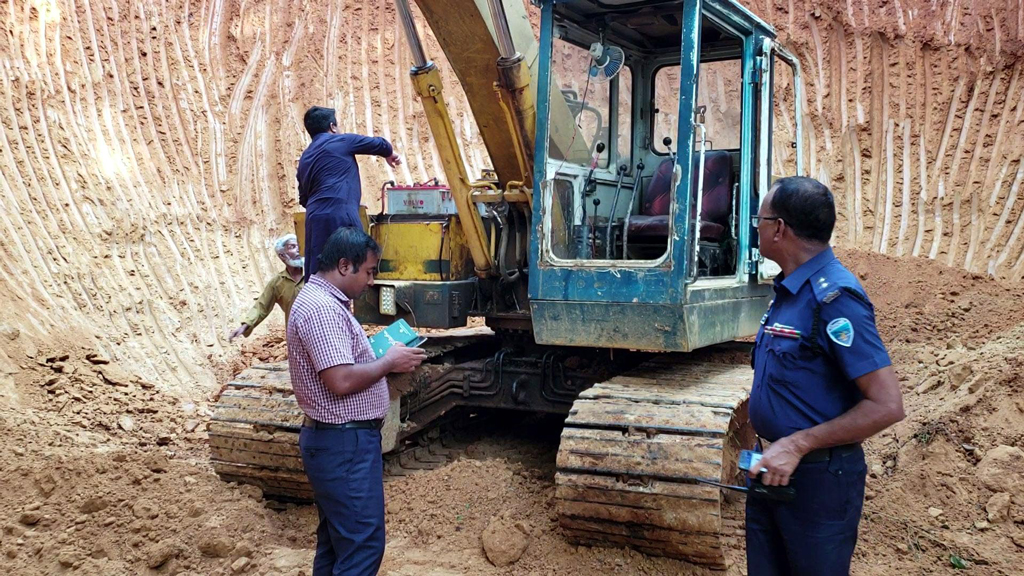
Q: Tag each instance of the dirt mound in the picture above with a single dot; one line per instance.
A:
(99, 505)
(920, 301)
(261, 350)
(440, 522)
(955, 339)
(104, 473)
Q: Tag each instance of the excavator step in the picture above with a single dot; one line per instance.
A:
(633, 449)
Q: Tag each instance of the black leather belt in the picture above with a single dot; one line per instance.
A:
(352, 425)
(819, 455)
(826, 454)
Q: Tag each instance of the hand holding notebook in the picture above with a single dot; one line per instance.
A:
(398, 333)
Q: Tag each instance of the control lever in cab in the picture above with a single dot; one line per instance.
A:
(611, 215)
(632, 202)
(589, 188)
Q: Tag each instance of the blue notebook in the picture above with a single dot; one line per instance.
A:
(400, 332)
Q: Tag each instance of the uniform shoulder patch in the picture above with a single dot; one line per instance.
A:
(840, 331)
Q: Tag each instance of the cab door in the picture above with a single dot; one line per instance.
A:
(781, 129)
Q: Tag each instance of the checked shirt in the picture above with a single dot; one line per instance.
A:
(322, 332)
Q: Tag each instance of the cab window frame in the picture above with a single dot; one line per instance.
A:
(611, 156)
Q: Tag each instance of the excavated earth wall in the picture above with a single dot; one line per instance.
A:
(147, 149)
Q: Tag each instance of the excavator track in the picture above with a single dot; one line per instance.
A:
(254, 430)
(633, 449)
(254, 434)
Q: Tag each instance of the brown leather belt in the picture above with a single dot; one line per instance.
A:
(351, 425)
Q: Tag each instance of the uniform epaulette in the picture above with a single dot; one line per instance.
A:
(834, 284)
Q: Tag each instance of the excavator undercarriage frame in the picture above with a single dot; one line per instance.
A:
(256, 420)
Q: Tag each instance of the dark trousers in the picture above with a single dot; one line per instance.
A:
(320, 224)
(345, 469)
(815, 534)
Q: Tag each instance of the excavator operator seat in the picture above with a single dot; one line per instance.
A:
(716, 205)
(717, 201)
(657, 197)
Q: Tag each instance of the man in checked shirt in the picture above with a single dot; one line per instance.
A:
(341, 387)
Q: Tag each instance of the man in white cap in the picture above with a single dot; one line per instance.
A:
(281, 289)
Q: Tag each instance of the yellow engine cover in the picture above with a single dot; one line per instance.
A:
(428, 249)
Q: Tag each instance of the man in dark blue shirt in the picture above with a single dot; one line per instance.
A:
(823, 383)
(328, 176)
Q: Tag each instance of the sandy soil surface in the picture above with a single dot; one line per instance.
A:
(105, 473)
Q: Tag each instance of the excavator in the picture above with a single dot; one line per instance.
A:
(607, 251)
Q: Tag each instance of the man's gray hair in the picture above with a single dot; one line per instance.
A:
(280, 242)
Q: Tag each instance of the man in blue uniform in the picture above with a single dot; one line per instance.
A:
(823, 383)
(328, 176)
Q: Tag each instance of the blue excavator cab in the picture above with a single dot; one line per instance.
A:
(641, 233)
